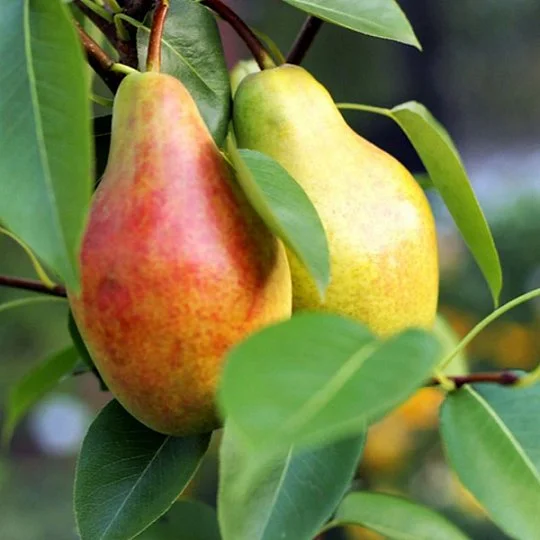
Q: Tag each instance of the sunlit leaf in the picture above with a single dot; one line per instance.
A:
(379, 18)
(286, 209)
(492, 439)
(394, 517)
(319, 378)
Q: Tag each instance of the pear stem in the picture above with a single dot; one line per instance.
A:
(32, 285)
(503, 378)
(100, 61)
(304, 40)
(153, 60)
(254, 44)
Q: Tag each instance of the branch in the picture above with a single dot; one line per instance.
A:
(106, 27)
(100, 61)
(254, 44)
(127, 49)
(503, 378)
(32, 285)
(304, 40)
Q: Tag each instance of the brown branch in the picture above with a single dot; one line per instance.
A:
(100, 61)
(108, 28)
(127, 49)
(254, 44)
(304, 40)
(503, 378)
(32, 285)
(153, 60)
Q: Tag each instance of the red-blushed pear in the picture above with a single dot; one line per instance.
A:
(380, 229)
(176, 267)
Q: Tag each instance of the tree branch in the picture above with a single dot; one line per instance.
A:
(127, 49)
(254, 44)
(100, 61)
(503, 378)
(32, 285)
(108, 28)
(304, 40)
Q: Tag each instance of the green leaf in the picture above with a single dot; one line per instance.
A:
(186, 520)
(38, 268)
(492, 439)
(285, 208)
(45, 156)
(449, 340)
(319, 378)
(379, 18)
(446, 171)
(128, 475)
(192, 52)
(271, 46)
(40, 380)
(290, 498)
(22, 302)
(394, 517)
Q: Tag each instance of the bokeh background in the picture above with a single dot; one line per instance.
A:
(480, 75)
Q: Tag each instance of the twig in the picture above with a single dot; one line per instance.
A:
(32, 285)
(153, 61)
(100, 61)
(108, 28)
(304, 40)
(127, 48)
(503, 378)
(254, 44)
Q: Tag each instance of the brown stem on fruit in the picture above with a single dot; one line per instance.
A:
(304, 40)
(503, 378)
(254, 44)
(153, 60)
(32, 285)
(100, 61)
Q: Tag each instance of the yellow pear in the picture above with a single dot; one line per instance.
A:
(380, 229)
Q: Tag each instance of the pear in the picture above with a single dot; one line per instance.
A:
(175, 265)
(380, 229)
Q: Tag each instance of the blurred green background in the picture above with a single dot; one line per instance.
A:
(480, 75)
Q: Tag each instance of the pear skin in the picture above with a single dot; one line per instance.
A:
(176, 267)
(380, 229)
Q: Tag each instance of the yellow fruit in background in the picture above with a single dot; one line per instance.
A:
(421, 411)
(353, 532)
(465, 500)
(388, 443)
(515, 347)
